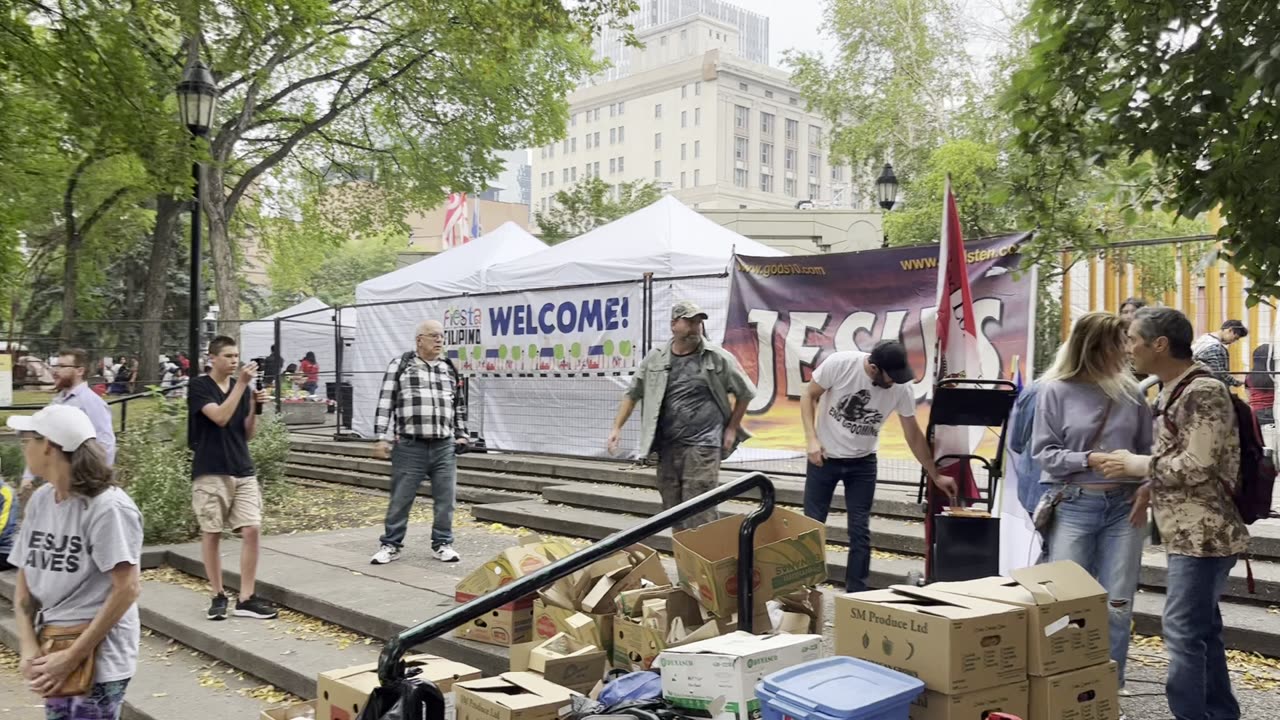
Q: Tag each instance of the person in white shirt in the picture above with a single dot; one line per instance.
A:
(843, 409)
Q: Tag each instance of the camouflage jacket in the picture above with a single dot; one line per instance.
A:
(1189, 466)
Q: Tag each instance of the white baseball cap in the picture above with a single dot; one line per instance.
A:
(65, 426)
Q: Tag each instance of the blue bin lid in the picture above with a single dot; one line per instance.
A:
(842, 687)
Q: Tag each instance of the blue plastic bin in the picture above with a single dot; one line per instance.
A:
(837, 688)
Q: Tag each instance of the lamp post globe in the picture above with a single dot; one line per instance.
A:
(197, 97)
(887, 188)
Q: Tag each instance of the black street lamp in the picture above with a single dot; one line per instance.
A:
(887, 193)
(197, 96)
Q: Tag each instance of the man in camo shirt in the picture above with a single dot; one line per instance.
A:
(1192, 475)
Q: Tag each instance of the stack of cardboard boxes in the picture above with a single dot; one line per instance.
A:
(1034, 646)
(512, 623)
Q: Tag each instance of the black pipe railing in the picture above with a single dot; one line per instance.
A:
(391, 663)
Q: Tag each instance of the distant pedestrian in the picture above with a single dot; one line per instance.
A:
(1193, 472)
(77, 585)
(224, 493)
(69, 372)
(310, 372)
(1261, 384)
(1129, 307)
(688, 420)
(1210, 350)
(421, 424)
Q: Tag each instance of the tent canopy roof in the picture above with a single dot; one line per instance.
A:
(453, 271)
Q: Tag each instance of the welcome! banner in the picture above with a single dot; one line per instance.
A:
(786, 315)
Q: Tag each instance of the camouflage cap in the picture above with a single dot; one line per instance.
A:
(686, 309)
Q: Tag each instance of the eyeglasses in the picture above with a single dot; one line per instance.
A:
(433, 336)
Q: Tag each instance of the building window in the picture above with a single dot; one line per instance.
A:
(794, 101)
(657, 141)
(766, 154)
(789, 185)
(697, 178)
(697, 88)
(595, 169)
(551, 179)
(573, 120)
(657, 111)
(684, 118)
(573, 176)
(793, 130)
(684, 148)
(684, 91)
(662, 41)
(740, 178)
(697, 149)
(622, 107)
(542, 179)
(768, 93)
(766, 183)
(613, 165)
(743, 87)
(657, 169)
(551, 151)
(684, 35)
(837, 173)
(815, 136)
(740, 149)
(613, 109)
(597, 114)
(544, 153)
(766, 124)
(790, 160)
(814, 191)
(621, 163)
(741, 116)
(697, 117)
(573, 145)
(682, 177)
(813, 165)
(597, 139)
(613, 135)
(565, 179)
(588, 140)
(622, 132)
(566, 146)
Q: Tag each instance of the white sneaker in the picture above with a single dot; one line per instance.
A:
(385, 554)
(446, 553)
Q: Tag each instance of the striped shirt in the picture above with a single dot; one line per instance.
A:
(425, 400)
(1210, 352)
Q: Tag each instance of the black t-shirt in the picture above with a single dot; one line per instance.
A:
(217, 450)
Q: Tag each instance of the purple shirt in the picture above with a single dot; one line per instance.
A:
(82, 396)
(1066, 421)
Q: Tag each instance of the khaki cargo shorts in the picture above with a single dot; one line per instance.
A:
(224, 502)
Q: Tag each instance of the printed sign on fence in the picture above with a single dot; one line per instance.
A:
(786, 315)
(572, 330)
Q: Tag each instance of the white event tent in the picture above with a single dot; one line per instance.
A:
(386, 330)
(305, 327)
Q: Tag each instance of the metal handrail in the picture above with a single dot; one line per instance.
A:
(391, 662)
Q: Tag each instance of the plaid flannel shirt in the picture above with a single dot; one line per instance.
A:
(426, 401)
(1210, 352)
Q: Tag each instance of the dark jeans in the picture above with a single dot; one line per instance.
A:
(1198, 686)
(859, 478)
(413, 460)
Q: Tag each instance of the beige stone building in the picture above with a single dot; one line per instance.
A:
(805, 232)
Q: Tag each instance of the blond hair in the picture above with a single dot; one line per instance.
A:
(1097, 353)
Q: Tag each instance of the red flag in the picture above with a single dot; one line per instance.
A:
(454, 232)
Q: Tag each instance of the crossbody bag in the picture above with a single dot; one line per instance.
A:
(1047, 508)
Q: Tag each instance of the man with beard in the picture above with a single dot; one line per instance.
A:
(688, 421)
(71, 389)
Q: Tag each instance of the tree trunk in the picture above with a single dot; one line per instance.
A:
(222, 254)
(71, 254)
(156, 293)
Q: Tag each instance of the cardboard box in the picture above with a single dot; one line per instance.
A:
(305, 710)
(976, 705)
(1088, 694)
(551, 620)
(717, 678)
(511, 696)
(636, 645)
(790, 553)
(512, 623)
(798, 613)
(954, 643)
(1067, 621)
(562, 660)
(341, 694)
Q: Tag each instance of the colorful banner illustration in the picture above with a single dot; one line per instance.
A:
(571, 330)
(786, 315)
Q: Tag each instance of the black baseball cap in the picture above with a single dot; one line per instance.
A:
(891, 357)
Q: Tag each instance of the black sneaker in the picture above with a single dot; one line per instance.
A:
(256, 607)
(218, 608)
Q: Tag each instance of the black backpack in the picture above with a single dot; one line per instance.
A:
(1252, 496)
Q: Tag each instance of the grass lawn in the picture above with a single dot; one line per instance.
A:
(138, 408)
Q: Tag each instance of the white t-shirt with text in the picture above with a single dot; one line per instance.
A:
(852, 411)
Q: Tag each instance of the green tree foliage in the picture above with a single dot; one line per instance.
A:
(972, 167)
(1187, 86)
(591, 203)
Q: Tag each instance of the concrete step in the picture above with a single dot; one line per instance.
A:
(367, 466)
(466, 493)
(167, 684)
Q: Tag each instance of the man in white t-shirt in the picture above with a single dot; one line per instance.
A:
(843, 408)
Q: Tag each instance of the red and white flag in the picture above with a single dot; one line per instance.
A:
(454, 233)
(957, 350)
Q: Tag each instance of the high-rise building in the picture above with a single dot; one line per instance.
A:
(717, 130)
(751, 41)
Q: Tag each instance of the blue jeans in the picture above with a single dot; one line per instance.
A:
(1198, 687)
(1091, 527)
(411, 461)
(859, 478)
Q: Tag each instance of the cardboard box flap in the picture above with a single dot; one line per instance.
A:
(517, 690)
(941, 604)
(1058, 582)
(739, 644)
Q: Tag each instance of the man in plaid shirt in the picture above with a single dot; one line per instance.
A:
(1210, 350)
(421, 392)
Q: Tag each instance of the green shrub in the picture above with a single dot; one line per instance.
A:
(11, 462)
(270, 450)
